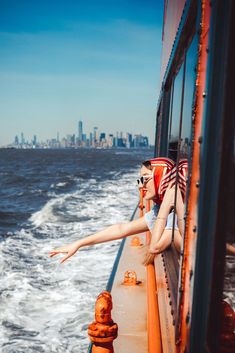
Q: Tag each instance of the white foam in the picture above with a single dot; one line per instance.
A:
(47, 214)
(57, 301)
(61, 184)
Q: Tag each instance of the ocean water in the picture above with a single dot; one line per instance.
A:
(49, 198)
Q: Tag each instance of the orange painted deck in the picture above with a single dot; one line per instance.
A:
(130, 302)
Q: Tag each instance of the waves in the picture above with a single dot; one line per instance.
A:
(45, 306)
(47, 214)
(49, 305)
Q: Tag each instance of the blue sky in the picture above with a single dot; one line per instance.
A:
(64, 61)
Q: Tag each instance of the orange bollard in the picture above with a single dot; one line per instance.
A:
(130, 279)
(103, 330)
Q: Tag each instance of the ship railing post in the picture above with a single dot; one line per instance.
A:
(153, 320)
(103, 330)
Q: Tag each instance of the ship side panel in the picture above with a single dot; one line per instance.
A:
(216, 201)
(172, 16)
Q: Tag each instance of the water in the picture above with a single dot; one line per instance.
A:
(50, 198)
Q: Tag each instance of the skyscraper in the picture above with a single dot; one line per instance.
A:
(34, 140)
(102, 136)
(95, 134)
(16, 140)
(90, 139)
(22, 138)
(80, 131)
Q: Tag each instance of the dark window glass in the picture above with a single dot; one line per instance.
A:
(180, 133)
(175, 119)
(189, 84)
(179, 141)
(170, 110)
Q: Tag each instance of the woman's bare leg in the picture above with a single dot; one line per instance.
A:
(163, 242)
(177, 240)
(166, 240)
(159, 247)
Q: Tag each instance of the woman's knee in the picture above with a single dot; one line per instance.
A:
(162, 244)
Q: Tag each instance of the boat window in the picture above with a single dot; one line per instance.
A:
(179, 142)
(185, 129)
(175, 114)
(180, 137)
(158, 130)
(170, 113)
(181, 132)
(189, 86)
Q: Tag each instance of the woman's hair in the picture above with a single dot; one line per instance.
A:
(147, 164)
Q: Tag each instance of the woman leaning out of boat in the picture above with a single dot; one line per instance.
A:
(158, 182)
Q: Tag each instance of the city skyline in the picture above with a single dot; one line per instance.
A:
(63, 61)
(82, 138)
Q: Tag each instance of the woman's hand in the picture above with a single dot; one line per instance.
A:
(70, 250)
(169, 198)
(148, 258)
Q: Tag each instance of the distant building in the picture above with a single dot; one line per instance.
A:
(110, 141)
(95, 140)
(16, 141)
(114, 142)
(145, 142)
(90, 139)
(121, 142)
(140, 141)
(34, 140)
(96, 135)
(73, 140)
(128, 140)
(22, 138)
(102, 136)
(52, 143)
(80, 131)
(70, 141)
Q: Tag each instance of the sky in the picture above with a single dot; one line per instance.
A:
(68, 60)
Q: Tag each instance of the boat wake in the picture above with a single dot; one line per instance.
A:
(46, 307)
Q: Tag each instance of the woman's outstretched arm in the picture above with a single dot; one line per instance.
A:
(114, 232)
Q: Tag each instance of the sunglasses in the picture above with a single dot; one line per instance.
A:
(144, 179)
